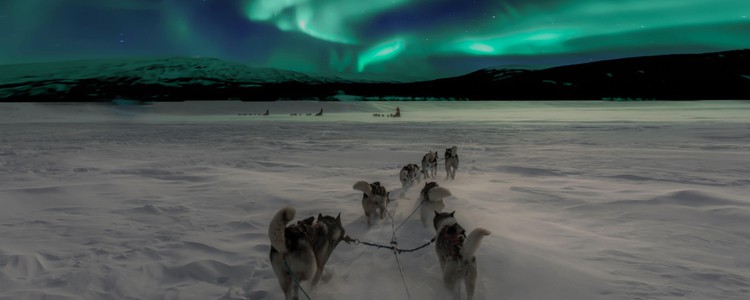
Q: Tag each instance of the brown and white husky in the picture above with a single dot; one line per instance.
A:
(456, 253)
(300, 251)
(429, 164)
(408, 175)
(451, 162)
(374, 200)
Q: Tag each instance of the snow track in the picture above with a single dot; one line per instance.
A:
(585, 200)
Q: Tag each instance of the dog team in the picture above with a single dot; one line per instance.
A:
(300, 251)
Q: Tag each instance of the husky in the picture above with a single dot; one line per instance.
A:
(456, 251)
(409, 173)
(300, 251)
(374, 198)
(431, 200)
(429, 164)
(451, 162)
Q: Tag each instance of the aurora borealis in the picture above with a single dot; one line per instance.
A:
(420, 38)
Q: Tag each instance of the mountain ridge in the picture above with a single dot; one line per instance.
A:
(716, 75)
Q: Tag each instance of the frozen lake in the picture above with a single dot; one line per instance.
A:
(585, 200)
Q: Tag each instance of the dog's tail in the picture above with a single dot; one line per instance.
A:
(437, 194)
(364, 187)
(277, 227)
(472, 242)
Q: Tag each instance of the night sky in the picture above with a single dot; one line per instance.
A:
(422, 38)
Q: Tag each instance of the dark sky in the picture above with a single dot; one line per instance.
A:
(422, 38)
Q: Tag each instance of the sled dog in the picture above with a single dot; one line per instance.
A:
(409, 173)
(300, 251)
(451, 162)
(374, 200)
(429, 164)
(431, 200)
(455, 252)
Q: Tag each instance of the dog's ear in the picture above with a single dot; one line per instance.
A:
(452, 213)
(320, 216)
(338, 218)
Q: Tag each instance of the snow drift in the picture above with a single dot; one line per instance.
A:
(594, 200)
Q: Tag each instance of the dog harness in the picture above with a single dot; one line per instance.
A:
(304, 229)
(377, 189)
(449, 153)
(411, 169)
(430, 158)
(452, 238)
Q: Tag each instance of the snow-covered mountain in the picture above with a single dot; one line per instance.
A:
(149, 71)
(89, 80)
(720, 75)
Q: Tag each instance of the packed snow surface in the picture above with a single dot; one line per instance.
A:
(585, 200)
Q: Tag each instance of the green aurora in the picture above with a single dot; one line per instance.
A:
(409, 37)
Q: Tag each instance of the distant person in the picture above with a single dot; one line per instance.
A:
(265, 113)
(320, 113)
(398, 112)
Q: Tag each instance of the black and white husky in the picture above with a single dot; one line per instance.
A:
(300, 251)
(456, 251)
(409, 173)
(374, 199)
(451, 162)
(429, 164)
(431, 200)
